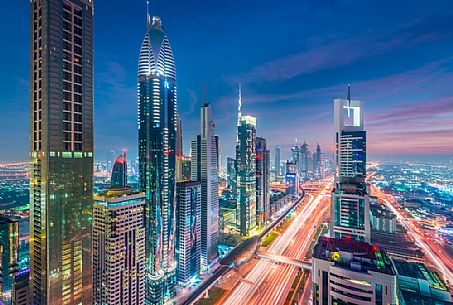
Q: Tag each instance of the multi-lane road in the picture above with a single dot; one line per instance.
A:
(269, 282)
(435, 252)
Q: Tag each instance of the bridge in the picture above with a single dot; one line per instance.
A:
(286, 260)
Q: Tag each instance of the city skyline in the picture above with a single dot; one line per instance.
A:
(402, 71)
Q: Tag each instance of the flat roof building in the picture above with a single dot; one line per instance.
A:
(346, 271)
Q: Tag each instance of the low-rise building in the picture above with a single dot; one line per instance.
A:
(346, 271)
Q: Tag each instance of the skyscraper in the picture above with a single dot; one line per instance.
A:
(119, 172)
(61, 151)
(262, 182)
(9, 244)
(246, 175)
(188, 229)
(231, 175)
(277, 166)
(205, 170)
(157, 115)
(350, 209)
(118, 248)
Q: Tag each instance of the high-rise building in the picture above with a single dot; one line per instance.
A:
(304, 159)
(188, 230)
(157, 117)
(9, 245)
(318, 163)
(263, 196)
(277, 166)
(349, 272)
(246, 175)
(118, 248)
(119, 172)
(61, 151)
(291, 178)
(231, 175)
(350, 208)
(205, 170)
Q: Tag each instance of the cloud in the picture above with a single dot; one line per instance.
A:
(347, 50)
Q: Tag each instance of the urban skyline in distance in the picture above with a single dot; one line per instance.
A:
(400, 69)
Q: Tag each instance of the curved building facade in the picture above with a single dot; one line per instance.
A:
(157, 119)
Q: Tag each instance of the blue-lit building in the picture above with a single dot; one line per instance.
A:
(350, 210)
(246, 175)
(291, 177)
(157, 120)
(262, 182)
(9, 244)
(119, 172)
(188, 230)
(231, 175)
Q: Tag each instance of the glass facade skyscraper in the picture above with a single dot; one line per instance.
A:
(61, 151)
(350, 211)
(246, 175)
(119, 172)
(9, 245)
(157, 119)
(262, 182)
(188, 230)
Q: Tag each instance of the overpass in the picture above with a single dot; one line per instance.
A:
(286, 260)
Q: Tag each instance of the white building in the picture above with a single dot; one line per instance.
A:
(118, 248)
(204, 168)
(346, 272)
(350, 208)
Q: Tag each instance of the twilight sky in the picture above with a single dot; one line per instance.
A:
(292, 57)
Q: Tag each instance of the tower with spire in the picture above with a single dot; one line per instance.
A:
(205, 169)
(157, 133)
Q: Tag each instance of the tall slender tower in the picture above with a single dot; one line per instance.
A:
(61, 151)
(246, 175)
(350, 211)
(277, 166)
(157, 118)
(262, 182)
(205, 169)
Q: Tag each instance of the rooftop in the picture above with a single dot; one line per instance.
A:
(351, 254)
(119, 196)
(419, 271)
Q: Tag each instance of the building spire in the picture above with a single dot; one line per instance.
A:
(203, 94)
(148, 16)
(349, 100)
(239, 104)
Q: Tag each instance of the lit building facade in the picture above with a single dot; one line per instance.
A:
(246, 175)
(350, 208)
(188, 230)
(291, 177)
(118, 248)
(262, 182)
(9, 245)
(231, 175)
(349, 272)
(61, 151)
(157, 132)
(119, 172)
(205, 169)
(277, 165)
(183, 168)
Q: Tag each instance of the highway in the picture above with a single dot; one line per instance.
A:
(438, 257)
(269, 282)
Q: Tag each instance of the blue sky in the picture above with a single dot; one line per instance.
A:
(292, 58)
